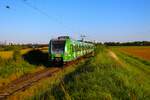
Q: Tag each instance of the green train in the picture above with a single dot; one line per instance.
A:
(64, 49)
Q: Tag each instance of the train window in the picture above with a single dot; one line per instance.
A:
(58, 46)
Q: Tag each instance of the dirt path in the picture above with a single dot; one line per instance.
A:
(115, 57)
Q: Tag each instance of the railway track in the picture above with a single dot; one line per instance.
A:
(25, 81)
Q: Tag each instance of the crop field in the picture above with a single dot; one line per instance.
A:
(9, 54)
(142, 52)
(6, 54)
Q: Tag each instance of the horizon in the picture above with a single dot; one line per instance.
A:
(14, 43)
(26, 21)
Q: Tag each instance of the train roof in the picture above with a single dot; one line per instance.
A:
(75, 42)
(63, 37)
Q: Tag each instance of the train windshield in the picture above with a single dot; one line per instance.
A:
(58, 46)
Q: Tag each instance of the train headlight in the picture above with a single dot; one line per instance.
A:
(58, 55)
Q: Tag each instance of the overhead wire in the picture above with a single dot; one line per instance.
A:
(25, 2)
(43, 13)
(35, 8)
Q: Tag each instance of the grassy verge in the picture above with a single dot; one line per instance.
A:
(104, 78)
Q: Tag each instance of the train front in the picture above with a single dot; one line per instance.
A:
(56, 50)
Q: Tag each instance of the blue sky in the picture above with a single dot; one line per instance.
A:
(100, 20)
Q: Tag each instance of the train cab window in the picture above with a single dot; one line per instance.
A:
(58, 46)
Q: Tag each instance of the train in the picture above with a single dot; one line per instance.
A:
(64, 49)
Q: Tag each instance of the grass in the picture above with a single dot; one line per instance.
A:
(38, 91)
(103, 78)
(14, 67)
(99, 78)
(10, 66)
